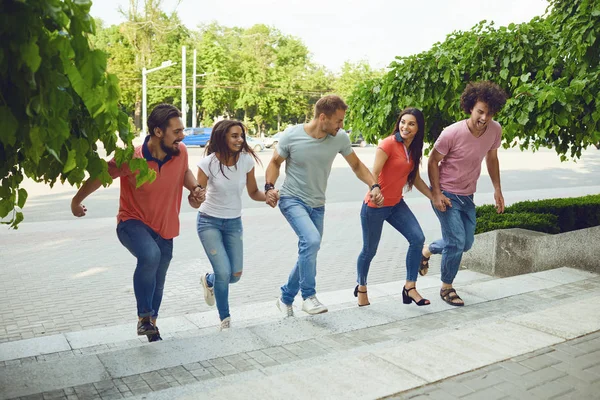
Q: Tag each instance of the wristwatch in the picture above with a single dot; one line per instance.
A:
(269, 186)
(376, 186)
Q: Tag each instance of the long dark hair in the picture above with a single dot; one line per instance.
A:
(416, 147)
(218, 143)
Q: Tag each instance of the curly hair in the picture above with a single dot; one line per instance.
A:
(485, 91)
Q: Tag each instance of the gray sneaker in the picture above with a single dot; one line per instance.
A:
(312, 305)
(209, 293)
(285, 309)
(225, 324)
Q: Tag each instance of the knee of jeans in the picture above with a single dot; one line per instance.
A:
(235, 277)
(457, 245)
(151, 256)
(417, 240)
(312, 244)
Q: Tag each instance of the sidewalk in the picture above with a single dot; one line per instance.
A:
(531, 336)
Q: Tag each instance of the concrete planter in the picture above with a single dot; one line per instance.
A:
(509, 252)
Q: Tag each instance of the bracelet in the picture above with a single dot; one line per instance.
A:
(376, 185)
(199, 186)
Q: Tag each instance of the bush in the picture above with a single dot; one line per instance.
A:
(535, 222)
(549, 216)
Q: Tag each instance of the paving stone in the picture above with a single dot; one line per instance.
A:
(551, 389)
(489, 393)
(540, 362)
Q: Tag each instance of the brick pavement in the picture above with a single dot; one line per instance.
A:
(80, 276)
(569, 370)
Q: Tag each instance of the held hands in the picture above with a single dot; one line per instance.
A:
(78, 209)
(272, 197)
(376, 196)
(440, 202)
(197, 197)
(499, 201)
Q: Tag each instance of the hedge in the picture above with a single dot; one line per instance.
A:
(550, 216)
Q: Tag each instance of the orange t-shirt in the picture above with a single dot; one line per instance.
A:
(156, 204)
(394, 174)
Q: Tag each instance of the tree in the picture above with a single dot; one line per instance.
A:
(351, 75)
(549, 66)
(56, 100)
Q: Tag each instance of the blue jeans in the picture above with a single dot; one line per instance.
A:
(153, 255)
(404, 221)
(307, 222)
(224, 245)
(458, 233)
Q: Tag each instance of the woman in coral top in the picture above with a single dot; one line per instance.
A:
(396, 166)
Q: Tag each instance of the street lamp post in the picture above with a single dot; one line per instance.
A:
(145, 72)
(194, 90)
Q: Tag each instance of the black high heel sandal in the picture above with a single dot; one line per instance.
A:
(406, 299)
(356, 292)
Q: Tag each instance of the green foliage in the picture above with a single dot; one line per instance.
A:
(535, 222)
(550, 215)
(549, 66)
(56, 100)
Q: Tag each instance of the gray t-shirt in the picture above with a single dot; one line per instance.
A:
(308, 163)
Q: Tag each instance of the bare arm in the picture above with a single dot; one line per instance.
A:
(433, 170)
(363, 173)
(422, 186)
(252, 187)
(89, 187)
(493, 167)
(273, 168)
(189, 181)
(197, 197)
(271, 175)
(380, 159)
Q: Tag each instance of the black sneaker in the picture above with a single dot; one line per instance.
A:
(145, 327)
(155, 337)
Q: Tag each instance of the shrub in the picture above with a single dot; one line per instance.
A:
(536, 222)
(550, 215)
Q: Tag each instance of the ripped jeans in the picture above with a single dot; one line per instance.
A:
(223, 243)
(458, 233)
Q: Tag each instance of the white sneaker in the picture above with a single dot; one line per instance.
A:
(312, 305)
(225, 324)
(286, 310)
(209, 293)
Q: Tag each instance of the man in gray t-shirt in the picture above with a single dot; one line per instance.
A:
(308, 151)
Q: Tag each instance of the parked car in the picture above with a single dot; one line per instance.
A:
(272, 141)
(255, 144)
(196, 136)
(357, 139)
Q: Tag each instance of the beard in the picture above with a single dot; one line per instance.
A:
(168, 150)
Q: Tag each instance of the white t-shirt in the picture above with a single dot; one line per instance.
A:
(224, 192)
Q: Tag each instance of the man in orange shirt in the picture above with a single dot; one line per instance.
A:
(148, 218)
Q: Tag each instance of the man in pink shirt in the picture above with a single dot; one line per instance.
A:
(454, 167)
(148, 218)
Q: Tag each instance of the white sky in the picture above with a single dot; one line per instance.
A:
(336, 31)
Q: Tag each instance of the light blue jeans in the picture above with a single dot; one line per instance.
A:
(458, 233)
(223, 243)
(404, 221)
(307, 222)
(153, 255)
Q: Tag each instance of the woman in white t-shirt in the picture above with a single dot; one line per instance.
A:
(226, 169)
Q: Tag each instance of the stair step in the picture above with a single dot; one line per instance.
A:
(534, 310)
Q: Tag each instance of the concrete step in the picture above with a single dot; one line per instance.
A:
(348, 350)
